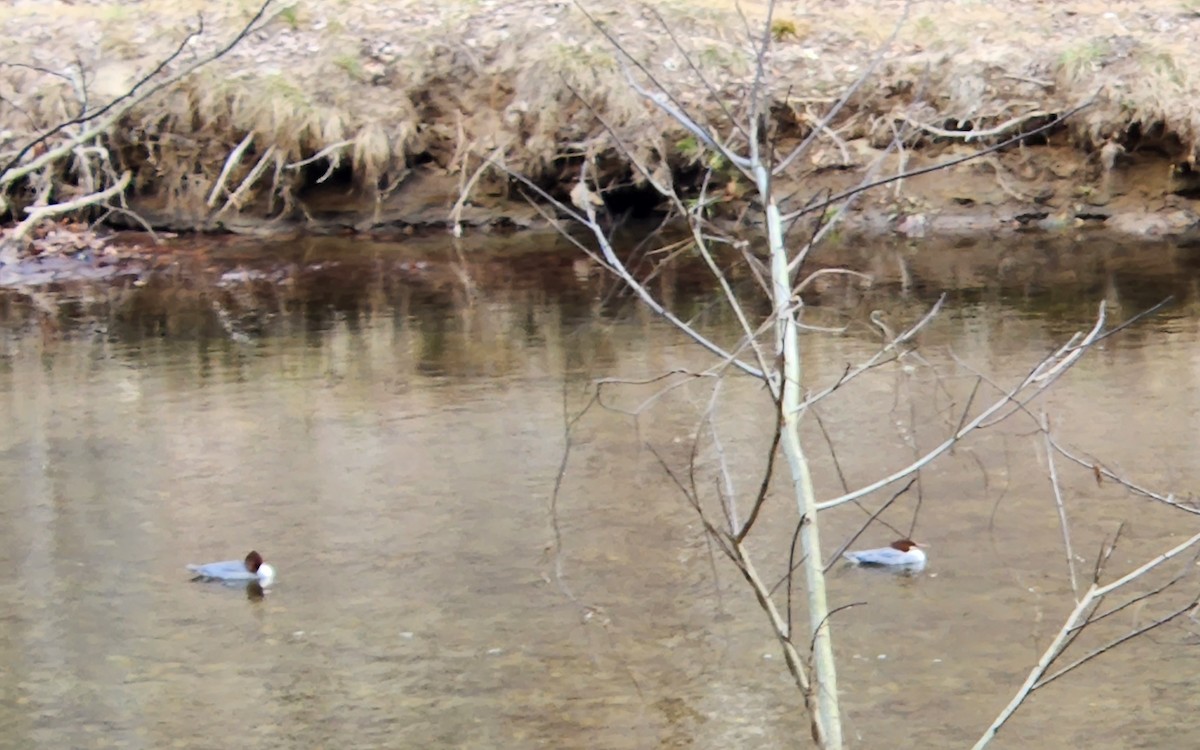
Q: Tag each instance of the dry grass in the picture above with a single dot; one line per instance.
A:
(381, 86)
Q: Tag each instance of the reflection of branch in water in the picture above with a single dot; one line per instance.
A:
(556, 547)
(588, 613)
(890, 340)
(1034, 383)
(879, 358)
(462, 272)
(889, 336)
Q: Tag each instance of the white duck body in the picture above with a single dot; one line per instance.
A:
(903, 553)
(251, 569)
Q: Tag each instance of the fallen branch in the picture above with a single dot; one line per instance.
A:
(837, 198)
(235, 198)
(37, 214)
(974, 135)
(231, 162)
(101, 121)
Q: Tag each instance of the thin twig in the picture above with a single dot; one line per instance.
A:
(867, 524)
(876, 60)
(588, 220)
(1137, 489)
(974, 135)
(837, 198)
(765, 485)
(1062, 511)
(850, 373)
(1042, 375)
(1113, 644)
(1056, 645)
(117, 108)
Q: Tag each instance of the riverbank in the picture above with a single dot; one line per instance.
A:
(377, 117)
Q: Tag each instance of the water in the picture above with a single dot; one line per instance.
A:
(387, 428)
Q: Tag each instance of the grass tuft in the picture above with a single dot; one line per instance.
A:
(435, 79)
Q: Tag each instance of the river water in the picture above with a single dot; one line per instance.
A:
(386, 425)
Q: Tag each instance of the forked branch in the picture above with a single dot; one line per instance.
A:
(1033, 384)
(1070, 627)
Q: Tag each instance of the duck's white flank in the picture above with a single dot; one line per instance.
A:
(252, 568)
(902, 552)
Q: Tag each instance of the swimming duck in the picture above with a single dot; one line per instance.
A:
(900, 553)
(251, 569)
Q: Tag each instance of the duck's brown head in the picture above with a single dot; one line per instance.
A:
(254, 561)
(904, 545)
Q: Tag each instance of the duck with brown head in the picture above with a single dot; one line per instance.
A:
(904, 553)
(252, 568)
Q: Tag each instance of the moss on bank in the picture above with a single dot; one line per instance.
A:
(337, 103)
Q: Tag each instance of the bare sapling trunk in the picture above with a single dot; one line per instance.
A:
(770, 350)
(827, 728)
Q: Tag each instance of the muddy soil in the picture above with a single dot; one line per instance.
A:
(374, 117)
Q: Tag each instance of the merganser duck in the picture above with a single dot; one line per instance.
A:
(901, 553)
(251, 569)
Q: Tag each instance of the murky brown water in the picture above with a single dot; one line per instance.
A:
(388, 435)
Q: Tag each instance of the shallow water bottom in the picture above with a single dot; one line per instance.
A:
(397, 464)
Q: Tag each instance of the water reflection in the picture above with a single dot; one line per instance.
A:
(390, 434)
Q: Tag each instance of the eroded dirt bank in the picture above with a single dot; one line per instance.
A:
(377, 117)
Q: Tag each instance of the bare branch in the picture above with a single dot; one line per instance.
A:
(663, 99)
(693, 499)
(974, 135)
(106, 116)
(1094, 618)
(235, 198)
(837, 198)
(1102, 471)
(876, 60)
(39, 213)
(765, 485)
(714, 96)
(231, 163)
(1062, 511)
(1106, 551)
(867, 524)
(586, 216)
(465, 191)
(833, 612)
(1114, 643)
(878, 358)
(328, 151)
(1046, 372)
(1056, 646)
